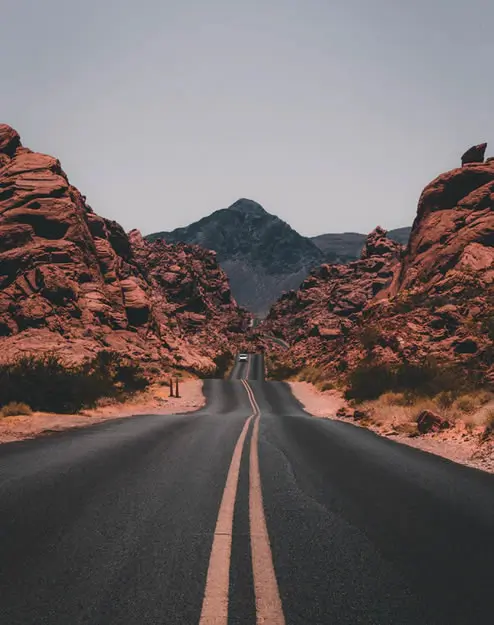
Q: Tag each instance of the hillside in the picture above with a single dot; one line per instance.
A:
(74, 284)
(425, 310)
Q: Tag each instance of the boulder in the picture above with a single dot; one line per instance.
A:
(475, 154)
(428, 421)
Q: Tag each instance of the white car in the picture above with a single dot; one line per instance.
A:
(243, 357)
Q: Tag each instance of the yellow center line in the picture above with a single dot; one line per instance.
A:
(269, 609)
(215, 603)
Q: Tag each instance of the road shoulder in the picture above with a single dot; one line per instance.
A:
(155, 400)
(456, 444)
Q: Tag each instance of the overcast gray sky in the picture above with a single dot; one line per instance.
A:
(333, 114)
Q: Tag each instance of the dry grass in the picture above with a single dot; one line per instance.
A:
(15, 408)
(318, 377)
(399, 411)
(313, 375)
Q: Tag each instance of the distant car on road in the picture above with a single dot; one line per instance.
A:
(243, 357)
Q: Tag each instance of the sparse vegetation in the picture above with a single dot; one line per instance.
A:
(488, 327)
(278, 369)
(489, 421)
(326, 386)
(47, 384)
(400, 410)
(14, 408)
(313, 375)
(370, 337)
(370, 381)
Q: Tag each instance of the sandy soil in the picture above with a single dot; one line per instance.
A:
(317, 403)
(154, 401)
(458, 443)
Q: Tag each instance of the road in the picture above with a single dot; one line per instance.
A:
(244, 512)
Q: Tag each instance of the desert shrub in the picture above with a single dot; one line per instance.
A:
(488, 327)
(327, 386)
(466, 403)
(430, 379)
(223, 364)
(15, 408)
(472, 401)
(369, 381)
(391, 398)
(342, 366)
(445, 399)
(278, 369)
(370, 337)
(46, 383)
(311, 374)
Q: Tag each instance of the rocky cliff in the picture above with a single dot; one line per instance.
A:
(433, 302)
(73, 282)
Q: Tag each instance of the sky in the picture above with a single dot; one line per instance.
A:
(332, 114)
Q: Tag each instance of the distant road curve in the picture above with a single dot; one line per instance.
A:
(274, 339)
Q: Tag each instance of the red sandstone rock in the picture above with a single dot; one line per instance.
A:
(434, 300)
(71, 282)
(318, 318)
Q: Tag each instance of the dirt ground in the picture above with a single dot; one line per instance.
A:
(457, 443)
(154, 400)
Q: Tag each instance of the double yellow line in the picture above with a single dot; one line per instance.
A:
(268, 602)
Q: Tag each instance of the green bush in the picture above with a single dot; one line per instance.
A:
(47, 384)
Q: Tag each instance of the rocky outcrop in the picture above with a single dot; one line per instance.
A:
(191, 294)
(475, 154)
(72, 282)
(317, 319)
(433, 302)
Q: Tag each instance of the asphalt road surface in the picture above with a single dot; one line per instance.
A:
(247, 511)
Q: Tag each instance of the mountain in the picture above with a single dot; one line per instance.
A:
(74, 283)
(261, 254)
(427, 310)
(347, 246)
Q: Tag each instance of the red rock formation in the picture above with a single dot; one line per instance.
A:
(70, 281)
(317, 319)
(436, 303)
